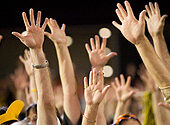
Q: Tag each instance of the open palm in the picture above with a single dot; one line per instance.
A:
(122, 88)
(155, 22)
(57, 35)
(94, 91)
(131, 28)
(97, 55)
(34, 35)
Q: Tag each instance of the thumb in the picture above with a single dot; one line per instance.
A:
(17, 35)
(104, 91)
(110, 55)
(47, 34)
(163, 18)
(142, 16)
(130, 94)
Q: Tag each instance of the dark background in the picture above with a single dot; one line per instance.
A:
(78, 16)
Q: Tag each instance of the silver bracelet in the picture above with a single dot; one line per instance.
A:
(41, 65)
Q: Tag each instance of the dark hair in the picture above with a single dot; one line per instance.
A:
(3, 111)
(31, 107)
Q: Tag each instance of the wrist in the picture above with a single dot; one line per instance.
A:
(157, 35)
(98, 68)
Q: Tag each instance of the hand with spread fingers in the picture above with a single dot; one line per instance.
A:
(34, 37)
(155, 22)
(123, 89)
(26, 60)
(97, 55)
(20, 78)
(94, 91)
(132, 29)
(57, 35)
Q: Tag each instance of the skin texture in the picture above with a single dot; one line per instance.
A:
(31, 95)
(123, 93)
(97, 56)
(34, 40)
(98, 60)
(67, 75)
(134, 31)
(155, 25)
(94, 94)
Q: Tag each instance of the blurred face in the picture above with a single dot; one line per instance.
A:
(130, 122)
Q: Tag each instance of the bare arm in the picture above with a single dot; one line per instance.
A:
(155, 24)
(133, 30)
(27, 61)
(34, 40)
(123, 94)
(94, 94)
(68, 80)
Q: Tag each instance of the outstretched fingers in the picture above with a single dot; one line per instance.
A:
(22, 59)
(18, 35)
(32, 20)
(25, 19)
(88, 48)
(103, 46)
(85, 82)
(97, 40)
(104, 91)
(129, 9)
(92, 44)
(118, 26)
(128, 82)
(157, 10)
(122, 10)
(38, 18)
(142, 16)
(45, 24)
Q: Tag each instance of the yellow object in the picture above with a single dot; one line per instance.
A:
(34, 90)
(148, 116)
(166, 93)
(13, 112)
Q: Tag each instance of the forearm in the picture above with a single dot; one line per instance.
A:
(158, 114)
(158, 70)
(101, 119)
(119, 110)
(161, 47)
(67, 75)
(46, 106)
(90, 115)
(33, 89)
(66, 69)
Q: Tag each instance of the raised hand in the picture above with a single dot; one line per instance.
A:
(20, 78)
(57, 35)
(132, 29)
(155, 22)
(34, 37)
(27, 62)
(97, 55)
(94, 91)
(123, 89)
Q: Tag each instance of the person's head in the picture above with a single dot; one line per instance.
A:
(31, 113)
(127, 119)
